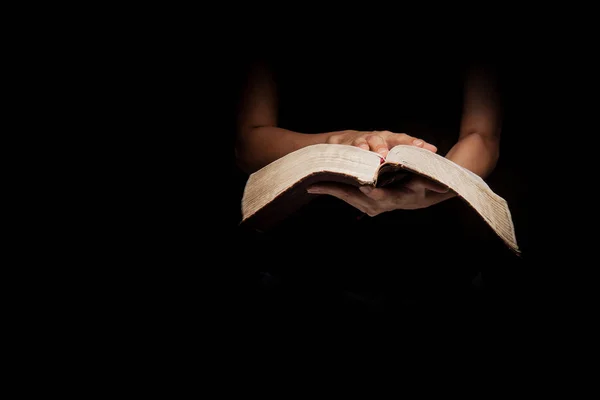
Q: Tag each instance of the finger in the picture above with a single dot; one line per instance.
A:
(377, 194)
(430, 147)
(424, 145)
(400, 139)
(419, 183)
(361, 142)
(388, 198)
(347, 193)
(404, 139)
(378, 144)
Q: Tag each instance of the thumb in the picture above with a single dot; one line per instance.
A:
(423, 183)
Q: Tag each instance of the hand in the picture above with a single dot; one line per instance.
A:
(419, 192)
(378, 141)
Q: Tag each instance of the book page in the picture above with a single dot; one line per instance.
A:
(465, 183)
(270, 182)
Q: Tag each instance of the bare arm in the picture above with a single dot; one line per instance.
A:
(477, 149)
(260, 141)
(478, 145)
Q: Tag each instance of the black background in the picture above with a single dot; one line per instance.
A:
(200, 261)
(506, 283)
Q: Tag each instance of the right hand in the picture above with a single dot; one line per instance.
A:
(378, 141)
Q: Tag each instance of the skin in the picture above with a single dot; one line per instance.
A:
(260, 141)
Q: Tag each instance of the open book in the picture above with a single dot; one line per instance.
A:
(279, 188)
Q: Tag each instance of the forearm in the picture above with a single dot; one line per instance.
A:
(259, 146)
(477, 152)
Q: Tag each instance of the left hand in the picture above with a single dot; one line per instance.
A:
(417, 193)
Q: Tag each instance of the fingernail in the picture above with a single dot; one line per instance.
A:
(418, 142)
(366, 189)
(313, 190)
(382, 151)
